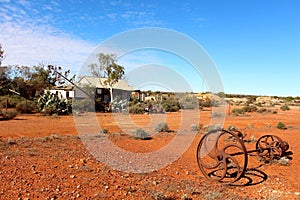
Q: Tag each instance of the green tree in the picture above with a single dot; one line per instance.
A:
(221, 94)
(4, 76)
(56, 75)
(5, 81)
(1, 55)
(109, 69)
(39, 79)
(29, 81)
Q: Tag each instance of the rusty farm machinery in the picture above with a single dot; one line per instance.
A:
(223, 157)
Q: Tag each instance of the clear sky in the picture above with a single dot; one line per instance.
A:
(255, 44)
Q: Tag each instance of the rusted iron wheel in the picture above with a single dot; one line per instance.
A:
(271, 147)
(222, 156)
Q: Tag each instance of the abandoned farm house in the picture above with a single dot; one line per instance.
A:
(121, 90)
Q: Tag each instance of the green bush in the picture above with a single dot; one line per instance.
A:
(104, 131)
(167, 104)
(188, 102)
(82, 105)
(50, 103)
(216, 114)
(250, 108)
(137, 108)
(140, 134)
(26, 107)
(11, 101)
(49, 110)
(9, 115)
(285, 107)
(170, 105)
(162, 127)
(262, 110)
(194, 127)
(205, 103)
(238, 111)
(281, 125)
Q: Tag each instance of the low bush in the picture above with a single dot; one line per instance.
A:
(83, 105)
(9, 115)
(285, 107)
(50, 103)
(162, 127)
(250, 108)
(198, 127)
(104, 131)
(214, 127)
(10, 101)
(138, 108)
(238, 111)
(281, 126)
(170, 105)
(26, 107)
(262, 110)
(49, 110)
(194, 127)
(217, 114)
(140, 134)
(205, 103)
(188, 102)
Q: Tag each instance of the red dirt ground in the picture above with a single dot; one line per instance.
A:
(42, 157)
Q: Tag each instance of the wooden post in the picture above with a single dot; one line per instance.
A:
(6, 105)
(229, 108)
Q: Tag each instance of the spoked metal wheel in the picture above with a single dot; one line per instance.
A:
(271, 146)
(222, 156)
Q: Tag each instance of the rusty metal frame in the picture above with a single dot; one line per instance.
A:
(223, 157)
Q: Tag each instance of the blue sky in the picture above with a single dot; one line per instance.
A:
(255, 44)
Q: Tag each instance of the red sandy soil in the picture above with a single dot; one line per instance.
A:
(42, 157)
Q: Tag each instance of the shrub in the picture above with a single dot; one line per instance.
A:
(171, 105)
(140, 134)
(205, 103)
(281, 125)
(216, 114)
(162, 127)
(194, 127)
(259, 104)
(214, 127)
(238, 111)
(250, 108)
(11, 101)
(104, 131)
(188, 102)
(50, 103)
(285, 107)
(197, 127)
(138, 108)
(262, 110)
(9, 115)
(26, 107)
(49, 110)
(82, 105)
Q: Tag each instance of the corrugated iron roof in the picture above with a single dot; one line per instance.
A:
(99, 83)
